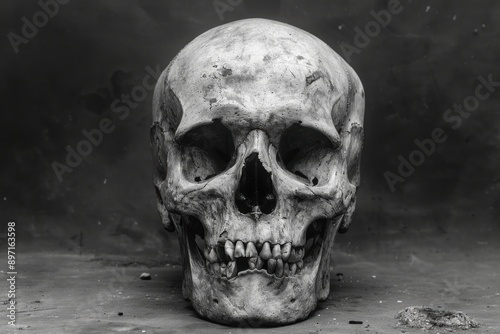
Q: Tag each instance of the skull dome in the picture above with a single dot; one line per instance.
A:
(256, 140)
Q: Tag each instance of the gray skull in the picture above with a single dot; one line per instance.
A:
(256, 142)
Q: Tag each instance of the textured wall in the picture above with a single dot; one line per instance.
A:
(65, 78)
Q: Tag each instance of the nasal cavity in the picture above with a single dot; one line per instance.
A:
(255, 192)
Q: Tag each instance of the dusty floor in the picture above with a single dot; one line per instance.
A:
(81, 294)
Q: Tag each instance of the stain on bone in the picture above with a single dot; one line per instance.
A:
(313, 77)
(159, 152)
(226, 71)
(172, 108)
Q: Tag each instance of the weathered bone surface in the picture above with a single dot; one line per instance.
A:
(256, 142)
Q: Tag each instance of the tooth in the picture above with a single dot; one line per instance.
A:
(285, 251)
(299, 251)
(296, 254)
(293, 256)
(300, 265)
(260, 263)
(279, 268)
(293, 269)
(229, 249)
(251, 251)
(258, 245)
(286, 269)
(212, 256)
(231, 269)
(216, 267)
(265, 253)
(239, 249)
(252, 262)
(252, 255)
(277, 251)
(271, 266)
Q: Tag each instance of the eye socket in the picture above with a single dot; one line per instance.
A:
(307, 153)
(207, 151)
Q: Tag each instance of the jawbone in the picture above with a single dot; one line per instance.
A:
(253, 297)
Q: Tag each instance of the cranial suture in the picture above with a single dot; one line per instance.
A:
(256, 140)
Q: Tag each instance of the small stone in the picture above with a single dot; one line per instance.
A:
(355, 322)
(145, 276)
(120, 313)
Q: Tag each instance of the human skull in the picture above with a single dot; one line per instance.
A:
(256, 140)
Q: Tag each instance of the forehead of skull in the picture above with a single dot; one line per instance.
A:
(260, 72)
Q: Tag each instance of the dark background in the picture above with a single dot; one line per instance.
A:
(65, 78)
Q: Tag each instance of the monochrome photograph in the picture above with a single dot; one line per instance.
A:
(250, 166)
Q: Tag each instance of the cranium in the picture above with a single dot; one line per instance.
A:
(256, 140)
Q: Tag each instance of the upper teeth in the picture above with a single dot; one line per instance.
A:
(229, 249)
(239, 249)
(280, 260)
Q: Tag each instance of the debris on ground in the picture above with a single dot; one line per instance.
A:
(145, 276)
(429, 318)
